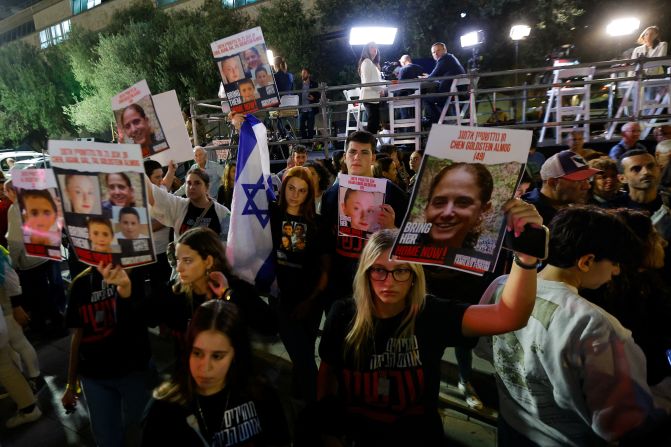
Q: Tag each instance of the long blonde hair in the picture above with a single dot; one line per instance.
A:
(362, 332)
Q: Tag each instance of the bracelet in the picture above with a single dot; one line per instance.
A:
(226, 296)
(524, 266)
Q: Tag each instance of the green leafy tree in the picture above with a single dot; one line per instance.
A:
(290, 32)
(170, 51)
(34, 88)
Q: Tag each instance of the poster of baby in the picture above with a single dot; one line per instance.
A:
(359, 205)
(41, 211)
(104, 201)
(245, 71)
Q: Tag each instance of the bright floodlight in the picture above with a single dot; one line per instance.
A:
(381, 35)
(623, 27)
(270, 55)
(472, 39)
(519, 32)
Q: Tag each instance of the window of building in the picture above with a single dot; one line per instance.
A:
(13, 34)
(54, 34)
(237, 3)
(79, 6)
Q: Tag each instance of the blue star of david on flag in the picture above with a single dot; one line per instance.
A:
(251, 208)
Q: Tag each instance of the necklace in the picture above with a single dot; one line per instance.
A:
(201, 416)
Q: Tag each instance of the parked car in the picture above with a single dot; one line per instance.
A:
(16, 156)
(42, 161)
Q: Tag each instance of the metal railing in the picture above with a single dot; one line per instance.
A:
(483, 89)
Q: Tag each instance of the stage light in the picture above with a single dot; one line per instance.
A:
(519, 32)
(381, 35)
(472, 39)
(623, 26)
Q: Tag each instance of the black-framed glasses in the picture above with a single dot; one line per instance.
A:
(380, 274)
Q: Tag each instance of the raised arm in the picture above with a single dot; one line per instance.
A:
(512, 311)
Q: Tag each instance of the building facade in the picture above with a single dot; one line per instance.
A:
(48, 22)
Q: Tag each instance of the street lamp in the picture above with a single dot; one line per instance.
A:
(517, 33)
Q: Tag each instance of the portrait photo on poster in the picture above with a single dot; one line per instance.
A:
(104, 201)
(40, 215)
(247, 79)
(455, 211)
(360, 201)
(137, 121)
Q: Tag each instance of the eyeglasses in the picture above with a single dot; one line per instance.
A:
(380, 274)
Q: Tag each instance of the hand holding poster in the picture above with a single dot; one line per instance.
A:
(104, 201)
(137, 121)
(245, 71)
(41, 211)
(360, 200)
(455, 218)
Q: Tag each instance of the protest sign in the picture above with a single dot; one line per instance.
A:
(41, 211)
(245, 71)
(454, 219)
(172, 123)
(137, 121)
(104, 201)
(359, 202)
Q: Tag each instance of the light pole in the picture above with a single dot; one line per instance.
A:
(517, 33)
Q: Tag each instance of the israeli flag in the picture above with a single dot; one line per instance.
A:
(249, 247)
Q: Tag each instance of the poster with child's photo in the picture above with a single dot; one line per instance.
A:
(245, 72)
(104, 201)
(41, 211)
(359, 205)
(137, 121)
(454, 219)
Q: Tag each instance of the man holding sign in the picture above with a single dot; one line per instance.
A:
(359, 157)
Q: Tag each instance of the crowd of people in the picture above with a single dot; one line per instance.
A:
(577, 340)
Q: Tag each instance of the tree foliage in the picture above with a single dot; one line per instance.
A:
(290, 32)
(34, 87)
(170, 51)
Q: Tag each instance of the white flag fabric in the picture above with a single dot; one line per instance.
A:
(249, 248)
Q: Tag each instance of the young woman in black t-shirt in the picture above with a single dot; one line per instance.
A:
(212, 399)
(381, 352)
(302, 275)
(203, 274)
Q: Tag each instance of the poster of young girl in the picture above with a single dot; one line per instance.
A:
(137, 121)
(41, 211)
(360, 200)
(104, 201)
(245, 71)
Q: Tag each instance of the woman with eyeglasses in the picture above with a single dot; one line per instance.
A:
(381, 351)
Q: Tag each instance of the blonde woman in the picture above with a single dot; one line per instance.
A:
(381, 352)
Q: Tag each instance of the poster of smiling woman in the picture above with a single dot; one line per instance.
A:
(104, 201)
(137, 121)
(41, 211)
(454, 219)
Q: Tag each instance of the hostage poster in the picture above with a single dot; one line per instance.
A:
(454, 219)
(245, 71)
(137, 121)
(41, 211)
(359, 203)
(104, 201)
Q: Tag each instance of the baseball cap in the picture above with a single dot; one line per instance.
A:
(567, 165)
